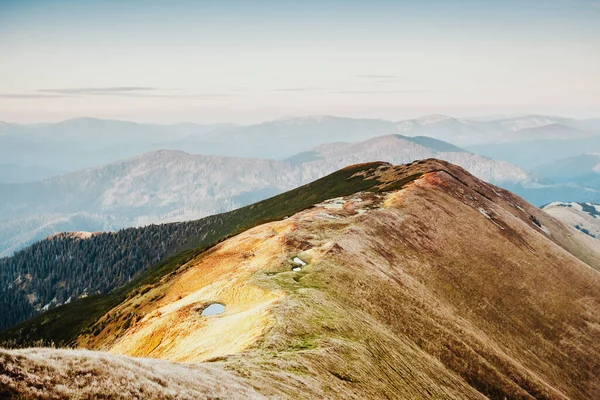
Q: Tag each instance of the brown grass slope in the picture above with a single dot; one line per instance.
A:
(438, 286)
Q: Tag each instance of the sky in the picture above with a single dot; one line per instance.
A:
(247, 61)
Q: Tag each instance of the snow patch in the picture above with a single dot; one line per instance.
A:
(484, 213)
(518, 207)
(299, 262)
(545, 230)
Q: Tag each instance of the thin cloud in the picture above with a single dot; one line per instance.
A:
(349, 90)
(116, 91)
(380, 79)
(376, 76)
(208, 96)
(31, 96)
(100, 90)
(243, 89)
(303, 89)
(381, 91)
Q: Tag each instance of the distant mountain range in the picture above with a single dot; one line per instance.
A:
(379, 281)
(582, 168)
(465, 132)
(168, 186)
(87, 142)
(535, 154)
(43, 150)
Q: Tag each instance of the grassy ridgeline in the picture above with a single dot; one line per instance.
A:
(61, 326)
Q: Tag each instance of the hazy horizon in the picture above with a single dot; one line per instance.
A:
(246, 62)
(491, 117)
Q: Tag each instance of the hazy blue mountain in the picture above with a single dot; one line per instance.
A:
(590, 124)
(466, 132)
(540, 194)
(533, 154)
(13, 173)
(87, 142)
(171, 185)
(285, 137)
(582, 168)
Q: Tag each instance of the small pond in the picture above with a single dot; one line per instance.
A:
(215, 308)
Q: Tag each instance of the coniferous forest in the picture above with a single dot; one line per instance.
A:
(66, 267)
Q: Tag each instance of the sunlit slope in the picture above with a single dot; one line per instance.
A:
(167, 318)
(440, 286)
(62, 325)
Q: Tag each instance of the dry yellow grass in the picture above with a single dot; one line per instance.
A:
(172, 326)
(80, 374)
(448, 288)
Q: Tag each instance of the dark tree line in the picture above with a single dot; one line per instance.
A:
(56, 270)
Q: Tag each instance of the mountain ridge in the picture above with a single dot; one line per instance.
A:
(446, 286)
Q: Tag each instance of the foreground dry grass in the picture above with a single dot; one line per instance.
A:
(81, 374)
(447, 288)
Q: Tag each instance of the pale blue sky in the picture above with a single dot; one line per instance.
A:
(245, 61)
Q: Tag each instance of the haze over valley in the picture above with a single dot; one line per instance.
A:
(177, 185)
(29, 150)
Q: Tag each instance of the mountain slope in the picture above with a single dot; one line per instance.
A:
(397, 149)
(581, 216)
(65, 267)
(431, 284)
(42, 374)
(163, 186)
(168, 186)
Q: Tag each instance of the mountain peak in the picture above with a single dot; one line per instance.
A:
(302, 120)
(434, 119)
